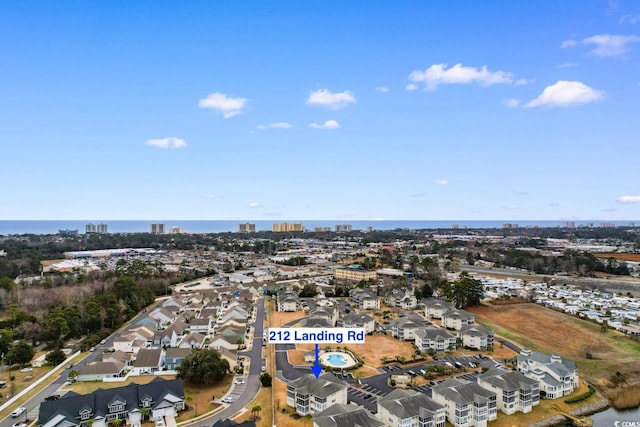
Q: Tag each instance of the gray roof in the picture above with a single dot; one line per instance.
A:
(148, 357)
(458, 314)
(341, 415)
(315, 322)
(553, 361)
(438, 303)
(476, 330)
(408, 404)
(357, 318)
(508, 380)
(434, 334)
(463, 392)
(100, 368)
(326, 385)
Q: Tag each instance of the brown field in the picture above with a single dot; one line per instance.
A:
(374, 348)
(262, 399)
(545, 330)
(280, 318)
(623, 257)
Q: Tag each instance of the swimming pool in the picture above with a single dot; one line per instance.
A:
(337, 360)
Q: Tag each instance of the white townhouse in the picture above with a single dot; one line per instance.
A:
(402, 298)
(308, 395)
(456, 319)
(359, 320)
(514, 391)
(476, 336)
(288, 301)
(467, 403)
(364, 299)
(556, 377)
(434, 338)
(408, 408)
(435, 308)
(404, 329)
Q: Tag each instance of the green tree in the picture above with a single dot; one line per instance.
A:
(266, 380)
(21, 353)
(464, 292)
(6, 283)
(6, 339)
(255, 411)
(203, 366)
(55, 357)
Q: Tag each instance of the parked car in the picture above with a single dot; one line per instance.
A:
(26, 370)
(19, 411)
(227, 400)
(19, 424)
(239, 381)
(52, 397)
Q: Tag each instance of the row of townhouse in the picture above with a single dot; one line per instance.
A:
(557, 377)
(288, 301)
(160, 399)
(460, 402)
(430, 337)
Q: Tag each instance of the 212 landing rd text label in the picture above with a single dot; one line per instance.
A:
(316, 335)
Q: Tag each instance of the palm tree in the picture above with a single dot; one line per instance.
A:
(384, 359)
(255, 411)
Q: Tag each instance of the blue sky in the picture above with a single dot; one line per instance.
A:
(308, 110)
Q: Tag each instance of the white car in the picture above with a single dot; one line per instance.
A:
(239, 382)
(227, 400)
(18, 412)
(26, 370)
(20, 425)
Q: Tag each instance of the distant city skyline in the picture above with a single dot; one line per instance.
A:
(308, 110)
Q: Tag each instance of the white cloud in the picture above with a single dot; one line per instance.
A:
(605, 44)
(565, 94)
(510, 102)
(169, 142)
(628, 199)
(568, 65)
(276, 125)
(630, 19)
(411, 87)
(329, 124)
(335, 101)
(226, 105)
(438, 74)
(382, 89)
(522, 82)
(441, 181)
(254, 205)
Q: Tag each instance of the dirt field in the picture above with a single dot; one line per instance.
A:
(624, 257)
(263, 399)
(374, 348)
(545, 330)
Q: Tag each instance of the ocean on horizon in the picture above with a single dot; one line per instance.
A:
(8, 227)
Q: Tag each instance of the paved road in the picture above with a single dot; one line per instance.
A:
(244, 394)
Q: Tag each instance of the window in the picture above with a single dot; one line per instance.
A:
(116, 408)
(85, 415)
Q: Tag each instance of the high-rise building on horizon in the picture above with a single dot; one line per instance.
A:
(90, 228)
(287, 227)
(103, 228)
(343, 228)
(156, 228)
(176, 230)
(246, 228)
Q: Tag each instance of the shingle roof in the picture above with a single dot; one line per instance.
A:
(408, 403)
(326, 385)
(341, 415)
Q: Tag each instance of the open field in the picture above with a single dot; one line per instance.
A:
(623, 257)
(374, 348)
(263, 400)
(545, 330)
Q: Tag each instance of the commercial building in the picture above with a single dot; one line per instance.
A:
(354, 272)
(343, 228)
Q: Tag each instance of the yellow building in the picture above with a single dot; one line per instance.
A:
(287, 227)
(354, 273)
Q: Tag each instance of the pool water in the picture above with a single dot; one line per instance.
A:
(336, 360)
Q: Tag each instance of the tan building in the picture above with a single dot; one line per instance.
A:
(353, 273)
(246, 228)
(157, 229)
(287, 227)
